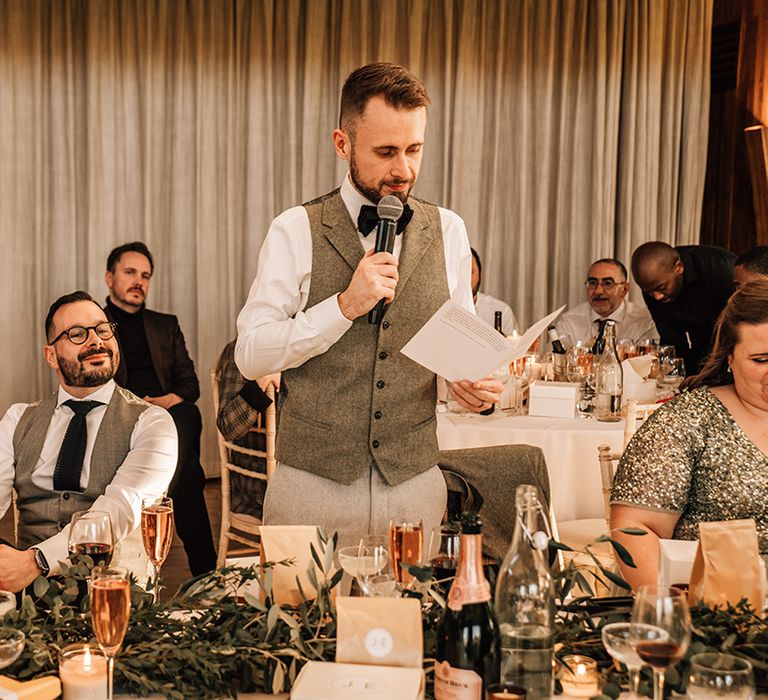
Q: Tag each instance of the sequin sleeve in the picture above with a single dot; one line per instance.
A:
(656, 468)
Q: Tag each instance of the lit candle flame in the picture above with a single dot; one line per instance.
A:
(87, 660)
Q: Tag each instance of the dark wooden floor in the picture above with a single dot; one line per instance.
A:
(175, 570)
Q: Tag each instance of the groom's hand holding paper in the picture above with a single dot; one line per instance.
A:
(457, 345)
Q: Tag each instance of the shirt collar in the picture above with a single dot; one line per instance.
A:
(617, 314)
(103, 394)
(352, 199)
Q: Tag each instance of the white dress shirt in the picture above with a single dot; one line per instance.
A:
(486, 307)
(274, 329)
(145, 473)
(632, 321)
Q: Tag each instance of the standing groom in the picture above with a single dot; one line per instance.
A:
(356, 444)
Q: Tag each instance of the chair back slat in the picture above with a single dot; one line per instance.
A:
(238, 527)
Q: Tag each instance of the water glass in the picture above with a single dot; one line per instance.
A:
(617, 642)
(670, 377)
(716, 675)
(12, 643)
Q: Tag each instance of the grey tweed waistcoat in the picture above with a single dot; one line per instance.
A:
(44, 513)
(363, 403)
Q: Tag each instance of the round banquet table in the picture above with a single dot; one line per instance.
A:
(569, 446)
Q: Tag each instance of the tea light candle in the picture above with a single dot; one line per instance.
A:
(505, 691)
(83, 673)
(579, 678)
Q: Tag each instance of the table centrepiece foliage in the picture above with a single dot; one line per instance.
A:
(205, 643)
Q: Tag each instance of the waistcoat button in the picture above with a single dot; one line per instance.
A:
(375, 443)
(380, 384)
(377, 415)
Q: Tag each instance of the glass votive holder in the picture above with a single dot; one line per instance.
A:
(7, 602)
(579, 676)
(505, 691)
(83, 672)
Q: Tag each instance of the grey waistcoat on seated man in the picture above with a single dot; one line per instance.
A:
(362, 402)
(44, 513)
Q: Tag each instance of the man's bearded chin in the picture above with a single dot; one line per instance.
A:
(374, 195)
(73, 372)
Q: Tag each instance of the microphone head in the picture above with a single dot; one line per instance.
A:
(389, 207)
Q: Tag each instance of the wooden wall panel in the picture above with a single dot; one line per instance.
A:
(728, 217)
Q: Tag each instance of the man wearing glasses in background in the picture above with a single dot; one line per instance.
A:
(607, 287)
(90, 445)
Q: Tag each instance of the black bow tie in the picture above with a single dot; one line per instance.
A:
(368, 219)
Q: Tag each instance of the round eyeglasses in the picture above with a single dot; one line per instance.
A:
(79, 334)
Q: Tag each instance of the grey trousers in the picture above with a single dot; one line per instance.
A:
(298, 497)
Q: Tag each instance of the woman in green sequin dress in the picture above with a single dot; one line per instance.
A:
(704, 455)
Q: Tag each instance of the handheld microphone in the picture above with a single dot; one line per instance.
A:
(389, 210)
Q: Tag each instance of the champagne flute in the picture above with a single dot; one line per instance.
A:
(618, 643)
(110, 609)
(90, 534)
(660, 630)
(716, 675)
(406, 542)
(157, 532)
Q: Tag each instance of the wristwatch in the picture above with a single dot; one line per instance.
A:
(41, 561)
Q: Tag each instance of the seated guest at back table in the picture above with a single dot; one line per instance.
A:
(90, 445)
(155, 365)
(241, 403)
(486, 306)
(750, 266)
(607, 287)
(704, 455)
(685, 289)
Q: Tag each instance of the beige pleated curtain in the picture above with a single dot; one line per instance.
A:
(560, 131)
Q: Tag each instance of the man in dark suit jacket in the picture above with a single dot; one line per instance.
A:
(155, 364)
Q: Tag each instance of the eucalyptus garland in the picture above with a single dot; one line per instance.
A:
(209, 641)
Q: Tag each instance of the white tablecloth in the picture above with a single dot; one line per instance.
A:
(569, 446)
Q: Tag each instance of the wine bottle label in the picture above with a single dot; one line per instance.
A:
(456, 683)
(464, 593)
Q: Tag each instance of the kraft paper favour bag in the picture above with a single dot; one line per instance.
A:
(379, 632)
(727, 565)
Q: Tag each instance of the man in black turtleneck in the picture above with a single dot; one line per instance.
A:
(155, 364)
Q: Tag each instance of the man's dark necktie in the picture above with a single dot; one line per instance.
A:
(69, 465)
(368, 219)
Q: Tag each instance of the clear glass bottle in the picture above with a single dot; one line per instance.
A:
(609, 379)
(524, 600)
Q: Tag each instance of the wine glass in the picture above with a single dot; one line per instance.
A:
(90, 534)
(11, 645)
(443, 551)
(617, 642)
(110, 608)
(660, 630)
(716, 675)
(522, 370)
(670, 377)
(406, 543)
(157, 532)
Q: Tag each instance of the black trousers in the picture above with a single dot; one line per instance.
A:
(189, 510)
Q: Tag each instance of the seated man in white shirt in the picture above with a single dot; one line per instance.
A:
(607, 287)
(90, 445)
(486, 306)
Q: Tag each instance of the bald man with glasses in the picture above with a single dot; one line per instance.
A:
(91, 445)
(607, 287)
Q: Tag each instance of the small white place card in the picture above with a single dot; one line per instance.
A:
(330, 681)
